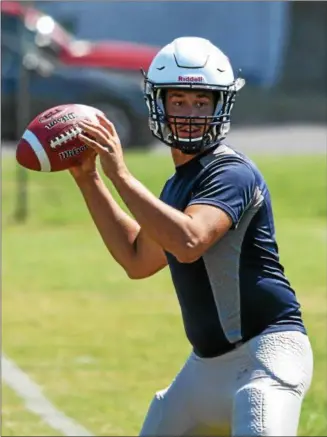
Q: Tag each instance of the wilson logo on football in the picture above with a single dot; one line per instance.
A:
(193, 79)
(64, 119)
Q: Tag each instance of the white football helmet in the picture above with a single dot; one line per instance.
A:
(191, 63)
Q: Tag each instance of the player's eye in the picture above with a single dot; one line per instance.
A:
(201, 104)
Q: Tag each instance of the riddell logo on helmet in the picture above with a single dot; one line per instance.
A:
(190, 79)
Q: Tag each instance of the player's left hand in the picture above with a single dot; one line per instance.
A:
(106, 143)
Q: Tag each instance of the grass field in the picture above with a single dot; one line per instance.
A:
(100, 344)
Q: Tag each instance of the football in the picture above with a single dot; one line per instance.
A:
(50, 142)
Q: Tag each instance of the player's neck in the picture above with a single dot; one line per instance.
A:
(179, 157)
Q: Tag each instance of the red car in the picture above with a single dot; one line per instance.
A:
(116, 55)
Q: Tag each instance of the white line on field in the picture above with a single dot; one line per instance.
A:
(36, 402)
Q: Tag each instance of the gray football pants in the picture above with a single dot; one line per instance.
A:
(254, 390)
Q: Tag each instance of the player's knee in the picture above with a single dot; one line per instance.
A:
(248, 411)
(263, 408)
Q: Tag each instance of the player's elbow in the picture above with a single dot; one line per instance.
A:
(142, 271)
(188, 257)
(190, 251)
(136, 274)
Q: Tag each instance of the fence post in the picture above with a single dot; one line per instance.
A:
(22, 120)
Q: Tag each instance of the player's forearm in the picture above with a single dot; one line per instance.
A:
(117, 229)
(170, 228)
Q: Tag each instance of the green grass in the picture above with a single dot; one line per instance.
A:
(18, 421)
(100, 344)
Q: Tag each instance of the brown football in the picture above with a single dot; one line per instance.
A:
(50, 142)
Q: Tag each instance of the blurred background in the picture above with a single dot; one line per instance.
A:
(91, 338)
(92, 52)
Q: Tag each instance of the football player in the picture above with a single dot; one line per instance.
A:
(251, 361)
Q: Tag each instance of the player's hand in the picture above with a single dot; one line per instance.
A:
(86, 169)
(106, 143)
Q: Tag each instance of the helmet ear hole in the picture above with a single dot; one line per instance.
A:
(164, 97)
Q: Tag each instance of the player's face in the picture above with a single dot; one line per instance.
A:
(188, 103)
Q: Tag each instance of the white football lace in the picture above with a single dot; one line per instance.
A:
(64, 137)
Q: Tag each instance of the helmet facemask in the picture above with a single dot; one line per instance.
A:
(214, 127)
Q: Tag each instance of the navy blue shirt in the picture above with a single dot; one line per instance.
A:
(238, 288)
